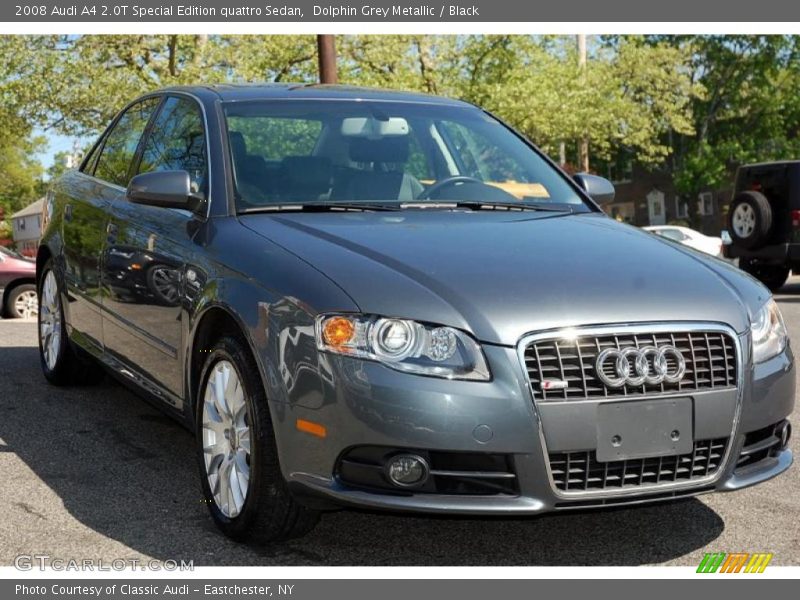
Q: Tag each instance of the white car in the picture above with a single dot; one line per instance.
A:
(689, 237)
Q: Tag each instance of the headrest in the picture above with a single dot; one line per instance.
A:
(238, 145)
(308, 174)
(393, 149)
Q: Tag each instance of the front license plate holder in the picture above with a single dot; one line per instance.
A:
(644, 428)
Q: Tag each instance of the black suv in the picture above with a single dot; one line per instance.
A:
(764, 221)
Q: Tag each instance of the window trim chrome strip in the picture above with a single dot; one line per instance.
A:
(636, 329)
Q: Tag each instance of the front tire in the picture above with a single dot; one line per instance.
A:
(60, 363)
(240, 476)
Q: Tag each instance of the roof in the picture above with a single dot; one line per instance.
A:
(262, 91)
(32, 209)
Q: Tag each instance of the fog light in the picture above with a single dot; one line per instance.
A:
(784, 434)
(407, 470)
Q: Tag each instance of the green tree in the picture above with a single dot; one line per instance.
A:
(76, 84)
(633, 91)
(20, 173)
(750, 111)
(59, 165)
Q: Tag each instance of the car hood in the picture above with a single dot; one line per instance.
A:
(501, 275)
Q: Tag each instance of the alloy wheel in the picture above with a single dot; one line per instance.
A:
(166, 284)
(226, 439)
(744, 220)
(26, 304)
(50, 320)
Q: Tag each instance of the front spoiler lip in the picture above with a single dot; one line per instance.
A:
(333, 491)
(772, 468)
(339, 494)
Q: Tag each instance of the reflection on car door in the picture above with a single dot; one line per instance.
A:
(145, 261)
(85, 198)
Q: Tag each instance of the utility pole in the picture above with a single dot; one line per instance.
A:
(326, 52)
(583, 144)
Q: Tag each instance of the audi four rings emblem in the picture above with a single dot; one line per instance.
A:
(637, 366)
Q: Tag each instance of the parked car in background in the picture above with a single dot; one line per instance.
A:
(689, 237)
(17, 285)
(764, 221)
(348, 310)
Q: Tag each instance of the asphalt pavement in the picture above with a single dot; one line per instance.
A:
(96, 472)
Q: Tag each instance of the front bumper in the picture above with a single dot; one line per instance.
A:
(361, 403)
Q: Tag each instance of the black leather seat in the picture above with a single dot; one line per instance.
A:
(251, 170)
(380, 183)
(305, 178)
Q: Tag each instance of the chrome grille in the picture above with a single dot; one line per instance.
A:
(710, 363)
(580, 471)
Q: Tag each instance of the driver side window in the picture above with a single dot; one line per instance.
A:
(177, 142)
(119, 147)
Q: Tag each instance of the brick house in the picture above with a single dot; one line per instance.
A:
(648, 197)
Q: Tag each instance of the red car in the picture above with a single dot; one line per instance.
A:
(17, 285)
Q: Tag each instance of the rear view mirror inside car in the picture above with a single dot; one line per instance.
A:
(372, 128)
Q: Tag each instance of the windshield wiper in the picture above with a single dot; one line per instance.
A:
(320, 207)
(477, 205)
(432, 205)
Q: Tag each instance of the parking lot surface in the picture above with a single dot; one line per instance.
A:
(95, 472)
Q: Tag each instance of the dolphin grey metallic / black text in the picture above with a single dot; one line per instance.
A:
(394, 301)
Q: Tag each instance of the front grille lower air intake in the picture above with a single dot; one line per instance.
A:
(580, 471)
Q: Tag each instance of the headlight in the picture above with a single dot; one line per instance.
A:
(404, 345)
(769, 332)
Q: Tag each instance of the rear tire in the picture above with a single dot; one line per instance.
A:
(750, 219)
(772, 276)
(250, 500)
(60, 362)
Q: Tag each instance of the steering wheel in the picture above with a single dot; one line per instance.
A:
(447, 182)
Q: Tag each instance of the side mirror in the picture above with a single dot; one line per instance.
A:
(168, 189)
(599, 189)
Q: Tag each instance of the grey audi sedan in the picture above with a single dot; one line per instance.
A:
(395, 301)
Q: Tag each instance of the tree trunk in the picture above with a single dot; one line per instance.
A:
(583, 144)
(326, 48)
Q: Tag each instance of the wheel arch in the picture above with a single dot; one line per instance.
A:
(42, 256)
(11, 286)
(211, 323)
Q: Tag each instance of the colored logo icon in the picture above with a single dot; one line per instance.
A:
(736, 562)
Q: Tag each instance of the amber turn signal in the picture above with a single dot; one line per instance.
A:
(338, 331)
(311, 427)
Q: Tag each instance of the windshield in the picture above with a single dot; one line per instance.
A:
(324, 152)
